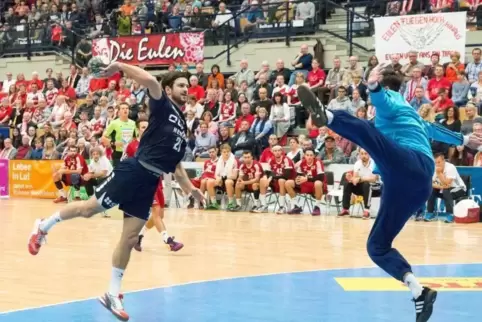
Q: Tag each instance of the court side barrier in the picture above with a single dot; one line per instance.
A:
(33, 178)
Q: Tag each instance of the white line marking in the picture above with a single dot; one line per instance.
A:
(219, 279)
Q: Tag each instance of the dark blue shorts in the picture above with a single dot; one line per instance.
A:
(131, 186)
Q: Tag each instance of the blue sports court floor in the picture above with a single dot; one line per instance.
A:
(362, 295)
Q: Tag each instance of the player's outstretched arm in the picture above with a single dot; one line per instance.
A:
(439, 133)
(378, 95)
(139, 75)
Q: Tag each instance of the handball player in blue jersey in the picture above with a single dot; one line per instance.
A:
(399, 144)
(133, 182)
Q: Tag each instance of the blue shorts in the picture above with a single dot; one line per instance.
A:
(131, 186)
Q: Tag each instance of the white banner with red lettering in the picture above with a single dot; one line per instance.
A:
(440, 33)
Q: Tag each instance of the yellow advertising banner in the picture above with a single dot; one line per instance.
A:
(390, 284)
(32, 178)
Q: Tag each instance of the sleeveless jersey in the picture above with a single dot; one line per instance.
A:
(311, 170)
(76, 162)
(252, 171)
(209, 169)
(163, 144)
(278, 167)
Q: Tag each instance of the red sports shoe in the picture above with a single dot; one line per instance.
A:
(366, 214)
(37, 238)
(114, 305)
(344, 212)
(60, 200)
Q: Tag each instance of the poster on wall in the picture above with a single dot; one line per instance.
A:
(426, 34)
(32, 179)
(159, 49)
(3, 178)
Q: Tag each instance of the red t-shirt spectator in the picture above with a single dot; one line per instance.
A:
(39, 83)
(314, 77)
(266, 155)
(197, 91)
(116, 77)
(124, 92)
(435, 85)
(4, 112)
(56, 33)
(444, 104)
(249, 118)
(97, 84)
(69, 92)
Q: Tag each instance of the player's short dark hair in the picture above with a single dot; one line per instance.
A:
(124, 103)
(309, 149)
(226, 147)
(245, 152)
(169, 78)
(439, 155)
(74, 147)
(391, 80)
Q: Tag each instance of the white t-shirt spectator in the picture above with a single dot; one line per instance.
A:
(102, 165)
(450, 172)
(362, 170)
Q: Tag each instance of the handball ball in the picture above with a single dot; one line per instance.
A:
(95, 65)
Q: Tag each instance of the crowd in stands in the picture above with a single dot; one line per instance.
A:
(256, 109)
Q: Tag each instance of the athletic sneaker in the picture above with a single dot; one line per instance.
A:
(295, 211)
(37, 238)
(114, 305)
(254, 209)
(429, 216)
(231, 206)
(281, 211)
(212, 206)
(310, 102)
(424, 304)
(138, 246)
(316, 211)
(344, 212)
(366, 214)
(235, 208)
(449, 219)
(261, 209)
(174, 245)
(60, 200)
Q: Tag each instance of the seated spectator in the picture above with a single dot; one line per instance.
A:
(412, 63)
(51, 94)
(419, 98)
(211, 103)
(97, 123)
(295, 153)
(341, 102)
(305, 11)
(330, 153)
(443, 101)
(99, 169)
(361, 113)
(35, 94)
(250, 172)
(281, 87)
(438, 82)
(475, 91)
(429, 71)
(243, 140)
(5, 112)
(209, 170)
(346, 146)
(245, 116)
(67, 90)
(41, 114)
(83, 148)
(359, 182)
(460, 90)
(357, 84)
(452, 122)
(334, 79)
(231, 87)
(354, 69)
(68, 122)
(56, 119)
(261, 128)
(262, 102)
(192, 122)
(50, 150)
(37, 151)
(267, 153)
(70, 174)
(372, 63)
(280, 117)
(8, 152)
(225, 176)
(227, 110)
(309, 180)
(82, 88)
(447, 185)
(245, 74)
(224, 137)
(356, 102)
(25, 150)
(262, 84)
(453, 68)
(204, 141)
(316, 77)
(214, 86)
(254, 15)
(216, 75)
(280, 70)
(415, 81)
(301, 63)
(264, 70)
(207, 118)
(281, 168)
(471, 117)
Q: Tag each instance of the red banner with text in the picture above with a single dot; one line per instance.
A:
(159, 49)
